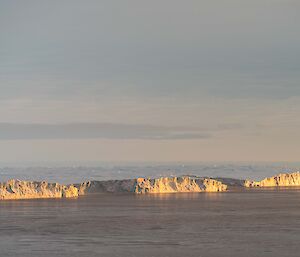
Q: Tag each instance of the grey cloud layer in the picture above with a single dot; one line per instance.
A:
(9, 131)
(235, 49)
(160, 62)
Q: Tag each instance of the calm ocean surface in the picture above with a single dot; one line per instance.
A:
(231, 224)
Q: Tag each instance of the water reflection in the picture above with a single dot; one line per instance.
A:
(224, 224)
(181, 196)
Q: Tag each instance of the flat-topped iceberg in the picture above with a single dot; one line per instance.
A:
(280, 180)
(159, 185)
(178, 184)
(16, 189)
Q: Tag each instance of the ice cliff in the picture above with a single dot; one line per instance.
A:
(159, 185)
(280, 180)
(16, 189)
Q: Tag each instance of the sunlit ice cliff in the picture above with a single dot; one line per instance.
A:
(15, 189)
(280, 180)
(181, 184)
(159, 185)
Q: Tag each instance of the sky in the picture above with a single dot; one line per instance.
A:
(149, 81)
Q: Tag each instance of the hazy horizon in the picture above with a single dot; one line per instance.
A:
(149, 81)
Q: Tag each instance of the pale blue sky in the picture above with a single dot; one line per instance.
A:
(202, 80)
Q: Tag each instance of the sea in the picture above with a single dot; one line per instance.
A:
(68, 173)
(241, 223)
